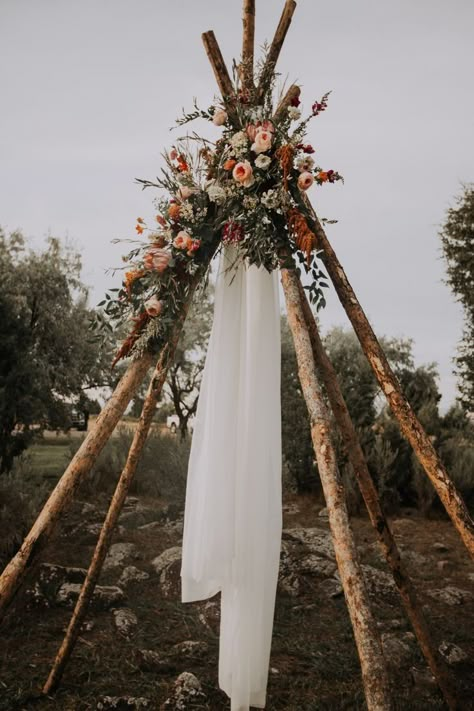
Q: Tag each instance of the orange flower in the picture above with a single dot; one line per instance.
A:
(229, 164)
(183, 167)
(174, 212)
(322, 176)
(140, 220)
(161, 220)
(131, 277)
(139, 229)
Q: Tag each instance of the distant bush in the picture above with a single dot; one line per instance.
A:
(161, 470)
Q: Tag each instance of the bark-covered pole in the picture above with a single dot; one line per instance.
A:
(65, 490)
(116, 504)
(219, 68)
(369, 492)
(407, 420)
(373, 665)
(275, 47)
(248, 41)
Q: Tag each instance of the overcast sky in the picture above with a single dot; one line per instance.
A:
(89, 90)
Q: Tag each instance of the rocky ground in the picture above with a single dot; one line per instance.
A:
(141, 648)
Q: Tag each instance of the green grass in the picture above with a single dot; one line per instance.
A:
(49, 459)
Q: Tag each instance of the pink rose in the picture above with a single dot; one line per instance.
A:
(305, 180)
(263, 141)
(185, 192)
(219, 118)
(157, 259)
(243, 173)
(182, 240)
(153, 306)
(193, 247)
(253, 128)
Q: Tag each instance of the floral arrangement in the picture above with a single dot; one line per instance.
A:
(246, 189)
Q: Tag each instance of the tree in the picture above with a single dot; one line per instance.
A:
(47, 359)
(457, 239)
(185, 373)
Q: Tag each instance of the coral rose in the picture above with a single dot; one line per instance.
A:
(157, 259)
(305, 180)
(183, 240)
(153, 306)
(263, 141)
(243, 173)
(220, 117)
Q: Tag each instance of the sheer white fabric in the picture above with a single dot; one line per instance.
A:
(233, 513)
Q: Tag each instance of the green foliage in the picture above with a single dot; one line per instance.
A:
(46, 359)
(457, 239)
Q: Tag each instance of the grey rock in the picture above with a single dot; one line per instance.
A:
(452, 653)
(378, 582)
(132, 574)
(124, 703)
(126, 621)
(210, 615)
(187, 691)
(104, 595)
(152, 526)
(290, 584)
(317, 540)
(440, 547)
(315, 565)
(324, 513)
(331, 587)
(451, 595)
(89, 509)
(443, 565)
(118, 554)
(50, 578)
(291, 508)
(167, 566)
(149, 660)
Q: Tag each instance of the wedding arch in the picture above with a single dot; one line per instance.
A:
(262, 149)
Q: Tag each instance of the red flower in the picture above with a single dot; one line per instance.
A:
(232, 232)
(295, 101)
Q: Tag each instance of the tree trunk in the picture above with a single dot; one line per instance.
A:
(408, 422)
(369, 492)
(64, 492)
(374, 672)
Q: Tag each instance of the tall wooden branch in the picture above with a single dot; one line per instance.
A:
(369, 492)
(118, 499)
(293, 93)
(275, 47)
(373, 666)
(407, 420)
(219, 68)
(64, 492)
(248, 41)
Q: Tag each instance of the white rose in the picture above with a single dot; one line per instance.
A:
(263, 141)
(219, 118)
(185, 192)
(263, 161)
(216, 194)
(305, 163)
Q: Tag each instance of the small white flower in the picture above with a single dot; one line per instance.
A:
(294, 113)
(270, 199)
(239, 142)
(263, 161)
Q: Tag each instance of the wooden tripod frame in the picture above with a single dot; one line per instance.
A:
(318, 380)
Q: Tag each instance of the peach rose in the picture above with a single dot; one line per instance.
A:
(185, 192)
(153, 306)
(183, 240)
(263, 141)
(157, 259)
(253, 128)
(305, 180)
(219, 118)
(243, 173)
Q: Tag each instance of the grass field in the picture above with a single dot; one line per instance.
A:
(49, 458)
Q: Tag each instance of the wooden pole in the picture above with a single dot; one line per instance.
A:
(369, 492)
(293, 93)
(248, 40)
(64, 492)
(275, 47)
(118, 499)
(373, 666)
(219, 68)
(408, 422)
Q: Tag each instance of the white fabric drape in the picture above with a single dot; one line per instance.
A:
(233, 513)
